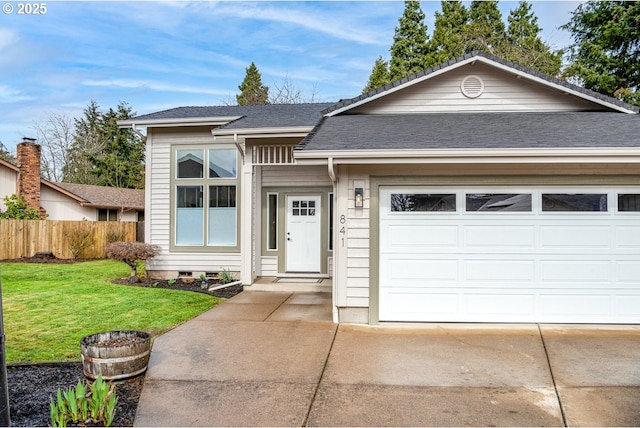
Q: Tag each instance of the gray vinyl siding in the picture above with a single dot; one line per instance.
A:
(502, 92)
(290, 175)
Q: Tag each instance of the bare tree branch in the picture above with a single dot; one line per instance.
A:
(55, 135)
(287, 93)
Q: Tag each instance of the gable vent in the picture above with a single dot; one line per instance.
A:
(472, 86)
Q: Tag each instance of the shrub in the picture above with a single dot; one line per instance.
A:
(79, 240)
(18, 209)
(115, 236)
(131, 253)
(225, 276)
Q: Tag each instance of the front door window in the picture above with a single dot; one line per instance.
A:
(303, 235)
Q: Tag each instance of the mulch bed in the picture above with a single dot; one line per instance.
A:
(185, 284)
(31, 386)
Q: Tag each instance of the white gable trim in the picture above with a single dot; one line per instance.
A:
(487, 61)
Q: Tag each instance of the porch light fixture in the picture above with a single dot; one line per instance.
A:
(359, 197)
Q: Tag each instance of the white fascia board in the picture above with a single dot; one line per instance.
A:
(487, 61)
(185, 121)
(556, 86)
(293, 131)
(402, 86)
(489, 156)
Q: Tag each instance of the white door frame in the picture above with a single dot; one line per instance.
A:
(303, 234)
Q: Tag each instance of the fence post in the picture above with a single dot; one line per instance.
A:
(5, 417)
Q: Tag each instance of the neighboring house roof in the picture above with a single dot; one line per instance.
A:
(344, 105)
(106, 197)
(9, 165)
(46, 183)
(236, 117)
(93, 196)
(474, 131)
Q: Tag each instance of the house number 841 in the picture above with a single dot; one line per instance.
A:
(343, 230)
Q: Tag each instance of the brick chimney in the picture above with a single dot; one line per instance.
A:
(28, 160)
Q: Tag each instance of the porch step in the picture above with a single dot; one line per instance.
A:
(291, 285)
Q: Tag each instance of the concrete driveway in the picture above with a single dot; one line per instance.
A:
(276, 359)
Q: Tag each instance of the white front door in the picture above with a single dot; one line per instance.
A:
(303, 234)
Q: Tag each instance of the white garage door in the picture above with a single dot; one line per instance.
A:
(510, 254)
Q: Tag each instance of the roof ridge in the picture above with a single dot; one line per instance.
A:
(302, 144)
(475, 53)
(231, 122)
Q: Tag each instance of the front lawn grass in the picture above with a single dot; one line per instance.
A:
(48, 308)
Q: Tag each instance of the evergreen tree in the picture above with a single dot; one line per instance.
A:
(523, 44)
(103, 153)
(447, 41)
(485, 30)
(379, 75)
(252, 91)
(87, 141)
(409, 50)
(605, 56)
(121, 162)
(5, 155)
(458, 31)
(523, 26)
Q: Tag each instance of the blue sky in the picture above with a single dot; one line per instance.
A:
(157, 55)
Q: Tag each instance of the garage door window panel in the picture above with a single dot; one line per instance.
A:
(578, 202)
(629, 202)
(423, 202)
(498, 202)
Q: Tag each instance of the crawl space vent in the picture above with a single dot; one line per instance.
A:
(472, 86)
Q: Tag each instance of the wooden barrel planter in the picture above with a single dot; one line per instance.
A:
(115, 354)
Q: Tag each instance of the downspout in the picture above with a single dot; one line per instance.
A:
(238, 146)
(137, 131)
(334, 292)
(332, 172)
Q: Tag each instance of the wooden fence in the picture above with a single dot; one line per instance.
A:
(25, 238)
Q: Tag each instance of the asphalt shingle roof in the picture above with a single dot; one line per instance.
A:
(474, 131)
(107, 197)
(254, 116)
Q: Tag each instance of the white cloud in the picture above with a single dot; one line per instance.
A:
(154, 86)
(332, 25)
(7, 38)
(11, 95)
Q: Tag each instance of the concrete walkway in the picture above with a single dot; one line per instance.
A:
(276, 359)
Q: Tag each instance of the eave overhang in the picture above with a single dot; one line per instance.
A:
(114, 207)
(166, 123)
(465, 156)
(279, 132)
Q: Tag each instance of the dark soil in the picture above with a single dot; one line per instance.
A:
(31, 386)
(185, 284)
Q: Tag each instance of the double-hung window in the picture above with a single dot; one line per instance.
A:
(206, 197)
